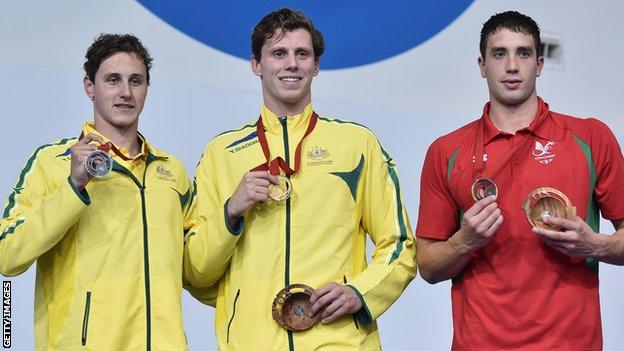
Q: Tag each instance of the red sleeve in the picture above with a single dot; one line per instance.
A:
(609, 163)
(438, 213)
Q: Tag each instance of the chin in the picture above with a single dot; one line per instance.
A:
(514, 100)
(289, 99)
(124, 124)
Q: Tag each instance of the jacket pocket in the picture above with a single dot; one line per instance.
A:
(344, 279)
(227, 338)
(85, 318)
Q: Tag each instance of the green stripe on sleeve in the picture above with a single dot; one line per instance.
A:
(237, 130)
(451, 164)
(592, 218)
(11, 229)
(402, 228)
(22, 177)
(593, 215)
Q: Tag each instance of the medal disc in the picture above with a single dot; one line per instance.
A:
(547, 202)
(282, 190)
(482, 188)
(98, 163)
(291, 308)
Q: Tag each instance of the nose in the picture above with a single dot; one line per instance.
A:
(124, 91)
(291, 62)
(512, 64)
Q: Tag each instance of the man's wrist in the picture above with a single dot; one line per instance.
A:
(459, 243)
(76, 184)
(601, 246)
(234, 224)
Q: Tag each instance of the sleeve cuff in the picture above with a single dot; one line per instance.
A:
(363, 315)
(239, 225)
(82, 194)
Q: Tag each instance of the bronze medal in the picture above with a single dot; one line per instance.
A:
(482, 188)
(499, 168)
(291, 308)
(547, 202)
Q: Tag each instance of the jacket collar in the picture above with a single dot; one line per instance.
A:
(295, 122)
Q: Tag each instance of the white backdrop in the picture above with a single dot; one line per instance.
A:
(197, 92)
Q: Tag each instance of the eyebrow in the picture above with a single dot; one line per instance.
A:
(283, 48)
(118, 75)
(502, 48)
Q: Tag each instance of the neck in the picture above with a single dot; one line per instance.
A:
(510, 119)
(286, 109)
(126, 137)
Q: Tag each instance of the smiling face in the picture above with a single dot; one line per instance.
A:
(118, 93)
(286, 69)
(511, 67)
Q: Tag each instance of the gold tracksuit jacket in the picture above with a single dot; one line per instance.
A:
(347, 187)
(109, 259)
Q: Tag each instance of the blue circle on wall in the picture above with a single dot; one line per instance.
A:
(356, 32)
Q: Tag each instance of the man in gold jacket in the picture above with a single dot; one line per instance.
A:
(109, 249)
(249, 239)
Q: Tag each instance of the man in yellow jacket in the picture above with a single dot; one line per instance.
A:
(108, 249)
(289, 199)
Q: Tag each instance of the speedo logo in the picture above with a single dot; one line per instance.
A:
(243, 143)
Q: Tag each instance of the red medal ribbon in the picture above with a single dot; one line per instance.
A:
(274, 165)
(106, 147)
(497, 166)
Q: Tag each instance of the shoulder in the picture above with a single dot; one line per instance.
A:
(589, 130)
(448, 144)
(233, 137)
(240, 134)
(53, 150)
(167, 157)
(51, 157)
(347, 130)
(356, 136)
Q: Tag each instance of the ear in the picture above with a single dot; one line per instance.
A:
(540, 65)
(255, 67)
(88, 87)
(481, 64)
(317, 67)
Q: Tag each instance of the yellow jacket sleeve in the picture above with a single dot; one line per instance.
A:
(386, 221)
(210, 242)
(37, 214)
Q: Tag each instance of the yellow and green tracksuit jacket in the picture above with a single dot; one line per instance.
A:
(347, 188)
(109, 258)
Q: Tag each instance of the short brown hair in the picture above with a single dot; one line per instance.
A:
(515, 22)
(287, 20)
(106, 45)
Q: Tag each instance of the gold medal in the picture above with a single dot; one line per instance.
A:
(482, 188)
(282, 190)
